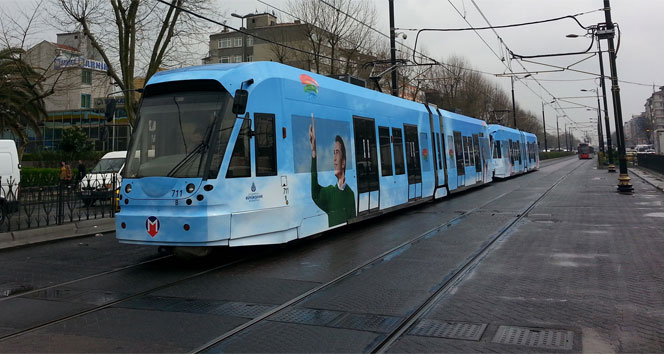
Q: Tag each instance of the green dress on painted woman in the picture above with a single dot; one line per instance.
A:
(338, 200)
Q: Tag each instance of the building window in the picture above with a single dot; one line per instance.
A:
(250, 41)
(237, 42)
(225, 43)
(86, 100)
(86, 77)
(237, 59)
(250, 58)
(225, 60)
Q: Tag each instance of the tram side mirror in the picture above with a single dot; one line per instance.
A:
(240, 101)
(109, 112)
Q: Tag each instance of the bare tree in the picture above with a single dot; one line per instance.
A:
(333, 34)
(149, 34)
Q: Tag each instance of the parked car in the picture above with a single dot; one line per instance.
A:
(10, 177)
(102, 181)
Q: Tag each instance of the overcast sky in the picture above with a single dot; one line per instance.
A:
(639, 58)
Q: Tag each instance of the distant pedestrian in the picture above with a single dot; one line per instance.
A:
(81, 170)
(66, 174)
(63, 172)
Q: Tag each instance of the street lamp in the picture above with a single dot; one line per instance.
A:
(603, 33)
(240, 17)
(608, 32)
(599, 118)
(244, 37)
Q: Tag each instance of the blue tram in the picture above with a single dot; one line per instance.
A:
(263, 153)
(514, 152)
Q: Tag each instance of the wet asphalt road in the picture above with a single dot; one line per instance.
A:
(156, 303)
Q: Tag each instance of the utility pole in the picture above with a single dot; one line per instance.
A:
(544, 126)
(566, 139)
(624, 182)
(612, 167)
(558, 132)
(513, 103)
(393, 52)
(599, 124)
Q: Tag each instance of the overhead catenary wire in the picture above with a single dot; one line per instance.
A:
(249, 34)
(303, 21)
(493, 28)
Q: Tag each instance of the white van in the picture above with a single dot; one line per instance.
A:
(10, 175)
(104, 178)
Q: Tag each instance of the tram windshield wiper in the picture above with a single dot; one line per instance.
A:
(200, 148)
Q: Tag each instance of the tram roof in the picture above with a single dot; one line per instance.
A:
(232, 75)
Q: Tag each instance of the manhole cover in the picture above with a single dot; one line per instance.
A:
(447, 329)
(242, 309)
(367, 322)
(307, 316)
(534, 337)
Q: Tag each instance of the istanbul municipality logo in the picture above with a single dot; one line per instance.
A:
(253, 196)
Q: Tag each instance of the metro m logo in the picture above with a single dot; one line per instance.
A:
(152, 225)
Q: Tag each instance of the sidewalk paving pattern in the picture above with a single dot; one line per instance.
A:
(582, 273)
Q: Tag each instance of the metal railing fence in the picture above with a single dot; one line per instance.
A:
(651, 161)
(23, 208)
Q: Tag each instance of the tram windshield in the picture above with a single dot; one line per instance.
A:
(181, 134)
(584, 149)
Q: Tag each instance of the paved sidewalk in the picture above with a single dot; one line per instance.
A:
(56, 232)
(651, 177)
(581, 273)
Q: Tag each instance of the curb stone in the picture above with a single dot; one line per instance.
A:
(56, 232)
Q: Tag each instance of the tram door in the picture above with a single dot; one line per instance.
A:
(413, 162)
(366, 160)
(477, 158)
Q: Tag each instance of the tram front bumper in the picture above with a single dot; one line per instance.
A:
(173, 225)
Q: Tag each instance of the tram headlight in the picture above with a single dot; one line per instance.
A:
(190, 188)
(128, 188)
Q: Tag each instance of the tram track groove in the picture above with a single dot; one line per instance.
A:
(443, 226)
(131, 297)
(87, 277)
(210, 344)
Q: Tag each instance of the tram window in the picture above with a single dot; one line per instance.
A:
(458, 147)
(511, 146)
(266, 149)
(440, 148)
(397, 145)
(385, 151)
(240, 165)
(499, 152)
(467, 151)
(476, 145)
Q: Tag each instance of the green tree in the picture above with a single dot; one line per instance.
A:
(21, 101)
(75, 142)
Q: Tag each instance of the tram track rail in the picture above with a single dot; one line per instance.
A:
(461, 272)
(452, 280)
(441, 227)
(126, 298)
(87, 277)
